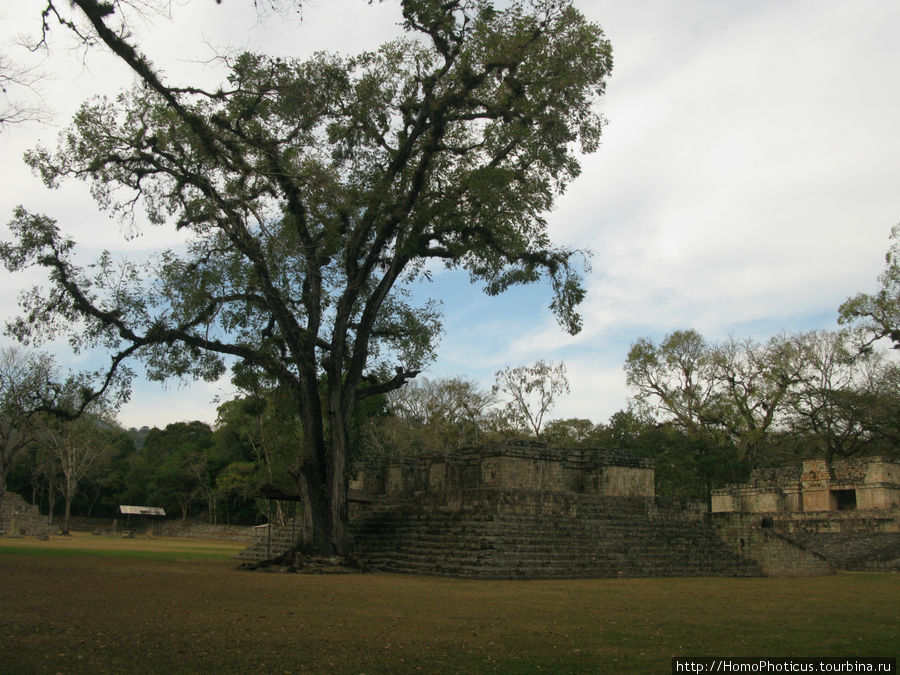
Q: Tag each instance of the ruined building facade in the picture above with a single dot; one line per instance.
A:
(863, 483)
(525, 468)
(524, 510)
(847, 511)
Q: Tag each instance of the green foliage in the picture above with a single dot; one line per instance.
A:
(314, 193)
(23, 382)
(687, 465)
(242, 479)
(879, 313)
(433, 416)
(98, 494)
(738, 399)
(847, 402)
(573, 433)
(164, 472)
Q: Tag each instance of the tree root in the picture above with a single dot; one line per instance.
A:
(302, 563)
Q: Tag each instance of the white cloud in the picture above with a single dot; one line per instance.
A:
(747, 177)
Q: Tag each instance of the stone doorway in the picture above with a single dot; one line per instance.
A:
(843, 500)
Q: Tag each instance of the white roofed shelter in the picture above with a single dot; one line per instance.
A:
(142, 517)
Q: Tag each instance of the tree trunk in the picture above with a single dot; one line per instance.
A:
(337, 493)
(51, 504)
(321, 477)
(314, 538)
(68, 511)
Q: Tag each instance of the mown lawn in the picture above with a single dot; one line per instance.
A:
(154, 606)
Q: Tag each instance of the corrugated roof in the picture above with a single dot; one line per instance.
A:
(141, 510)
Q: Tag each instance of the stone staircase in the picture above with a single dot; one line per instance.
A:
(270, 542)
(856, 551)
(598, 537)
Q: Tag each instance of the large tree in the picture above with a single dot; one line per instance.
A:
(434, 415)
(315, 193)
(736, 391)
(79, 439)
(16, 79)
(675, 377)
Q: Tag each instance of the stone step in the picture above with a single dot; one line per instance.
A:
(626, 542)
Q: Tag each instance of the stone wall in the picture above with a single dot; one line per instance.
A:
(848, 540)
(30, 522)
(747, 535)
(512, 466)
(219, 532)
(19, 518)
(512, 534)
(834, 522)
(857, 551)
(853, 484)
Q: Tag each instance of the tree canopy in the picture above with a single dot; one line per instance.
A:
(879, 313)
(315, 192)
(743, 395)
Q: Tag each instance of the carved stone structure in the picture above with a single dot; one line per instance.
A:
(523, 510)
(847, 511)
(854, 484)
(522, 467)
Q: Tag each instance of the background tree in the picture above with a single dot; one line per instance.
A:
(675, 377)
(686, 465)
(531, 392)
(732, 394)
(18, 84)
(879, 313)
(434, 415)
(260, 435)
(752, 385)
(841, 400)
(47, 477)
(315, 192)
(24, 379)
(573, 432)
(99, 493)
(161, 472)
(77, 446)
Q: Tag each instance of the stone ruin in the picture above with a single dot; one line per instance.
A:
(862, 483)
(848, 511)
(523, 467)
(524, 510)
(18, 518)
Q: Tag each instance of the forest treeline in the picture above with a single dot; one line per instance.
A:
(706, 413)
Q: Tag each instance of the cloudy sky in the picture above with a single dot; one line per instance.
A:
(747, 183)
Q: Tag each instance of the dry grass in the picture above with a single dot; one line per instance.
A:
(179, 605)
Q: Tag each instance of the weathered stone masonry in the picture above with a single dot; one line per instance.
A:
(854, 484)
(19, 518)
(527, 467)
(847, 512)
(529, 511)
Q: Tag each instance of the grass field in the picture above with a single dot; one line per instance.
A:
(94, 604)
